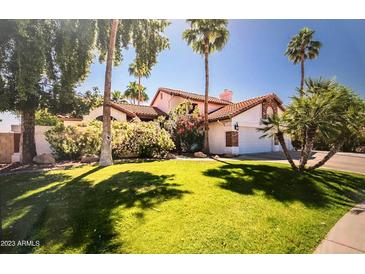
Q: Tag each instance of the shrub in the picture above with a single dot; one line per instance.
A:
(71, 142)
(144, 139)
(44, 118)
(185, 125)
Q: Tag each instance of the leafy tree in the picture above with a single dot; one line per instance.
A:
(135, 92)
(206, 36)
(302, 47)
(44, 118)
(146, 37)
(139, 70)
(326, 109)
(41, 62)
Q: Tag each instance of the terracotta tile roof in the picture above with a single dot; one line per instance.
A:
(68, 118)
(191, 96)
(139, 110)
(232, 110)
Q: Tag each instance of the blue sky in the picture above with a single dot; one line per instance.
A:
(251, 64)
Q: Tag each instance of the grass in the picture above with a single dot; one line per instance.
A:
(176, 207)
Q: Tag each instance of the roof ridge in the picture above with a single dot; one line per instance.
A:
(193, 93)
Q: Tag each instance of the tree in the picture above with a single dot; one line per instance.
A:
(326, 109)
(135, 92)
(118, 97)
(139, 70)
(146, 37)
(106, 146)
(41, 63)
(205, 37)
(273, 127)
(302, 47)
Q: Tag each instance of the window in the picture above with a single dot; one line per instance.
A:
(276, 140)
(161, 95)
(100, 118)
(231, 139)
(194, 106)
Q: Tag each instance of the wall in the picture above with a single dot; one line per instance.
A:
(42, 146)
(6, 147)
(117, 114)
(168, 102)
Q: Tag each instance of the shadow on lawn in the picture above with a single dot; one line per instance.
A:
(317, 189)
(82, 216)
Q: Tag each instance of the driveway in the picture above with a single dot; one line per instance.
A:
(353, 162)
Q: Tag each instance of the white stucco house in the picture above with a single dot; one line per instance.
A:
(232, 125)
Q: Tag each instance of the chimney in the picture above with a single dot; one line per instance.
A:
(226, 95)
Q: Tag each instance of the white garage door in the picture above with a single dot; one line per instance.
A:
(249, 141)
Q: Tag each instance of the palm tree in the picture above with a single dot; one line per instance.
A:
(106, 149)
(206, 36)
(139, 70)
(135, 92)
(118, 97)
(273, 127)
(302, 47)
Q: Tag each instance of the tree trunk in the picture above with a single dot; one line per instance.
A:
(27, 137)
(106, 146)
(302, 77)
(139, 90)
(281, 140)
(334, 149)
(309, 141)
(206, 123)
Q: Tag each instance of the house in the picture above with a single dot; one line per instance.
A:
(232, 126)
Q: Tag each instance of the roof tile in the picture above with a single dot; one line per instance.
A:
(231, 110)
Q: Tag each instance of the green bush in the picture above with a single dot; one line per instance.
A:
(143, 139)
(44, 118)
(71, 142)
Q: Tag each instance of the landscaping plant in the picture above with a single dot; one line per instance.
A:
(206, 36)
(129, 139)
(185, 124)
(326, 110)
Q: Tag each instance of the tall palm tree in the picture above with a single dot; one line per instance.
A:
(206, 36)
(302, 47)
(139, 70)
(135, 92)
(106, 147)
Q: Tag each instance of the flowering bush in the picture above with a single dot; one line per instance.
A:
(71, 142)
(185, 125)
(144, 139)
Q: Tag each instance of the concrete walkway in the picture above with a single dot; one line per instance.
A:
(348, 234)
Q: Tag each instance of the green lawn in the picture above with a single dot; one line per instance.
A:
(176, 207)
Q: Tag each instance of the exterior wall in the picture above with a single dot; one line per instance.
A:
(6, 147)
(42, 146)
(168, 102)
(163, 104)
(248, 138)
(118, 115)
